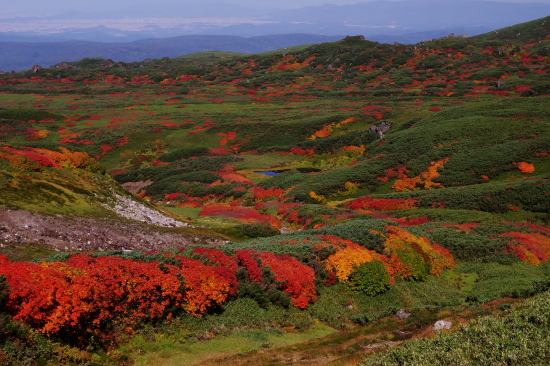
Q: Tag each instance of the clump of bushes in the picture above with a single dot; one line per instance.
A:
(257, 230)
(371, 278)
(184, 153)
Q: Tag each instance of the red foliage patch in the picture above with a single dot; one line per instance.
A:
(302, 151)
(382, 204)
(107, 148)
(241, 214)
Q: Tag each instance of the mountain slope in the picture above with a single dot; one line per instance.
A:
(354, 179)
(526, 32)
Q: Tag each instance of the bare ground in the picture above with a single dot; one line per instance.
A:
(67, 233)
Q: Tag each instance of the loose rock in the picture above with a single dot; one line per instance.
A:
(442, 324)
(402, 314)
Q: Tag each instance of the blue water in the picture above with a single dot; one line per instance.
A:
(269, 173)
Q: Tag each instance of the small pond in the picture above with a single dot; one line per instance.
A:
(269, 173)
(272, 173)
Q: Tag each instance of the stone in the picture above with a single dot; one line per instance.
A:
(442, 324)
(380, 128)
(109, 63)
(63, 65)
(402, 314)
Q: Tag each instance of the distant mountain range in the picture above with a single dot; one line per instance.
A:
(264, 29)
(371, 19)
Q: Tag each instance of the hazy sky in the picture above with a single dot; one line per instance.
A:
(105, 5)
(41, 7)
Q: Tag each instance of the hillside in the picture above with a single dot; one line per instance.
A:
(525, 32)
(316, 189)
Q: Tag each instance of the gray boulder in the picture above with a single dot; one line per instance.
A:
(402, 314)
(442, 324)
(36, 68)
(380, 128)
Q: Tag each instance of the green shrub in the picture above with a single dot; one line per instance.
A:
(467, 247)
(499, 280)
(336, 142)
(371, 278)
(257, 230)
(20, 114)
(203, 163)
(265, 294)
(200, 176)
(358, 231)
(185, 153)
(413, 260)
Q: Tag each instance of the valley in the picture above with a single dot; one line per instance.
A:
(220, 203)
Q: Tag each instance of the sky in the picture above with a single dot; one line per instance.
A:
(106, 5)
(41, 7)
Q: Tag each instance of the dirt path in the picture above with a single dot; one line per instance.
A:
(351, 347)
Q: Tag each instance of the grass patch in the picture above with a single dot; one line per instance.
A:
(188, 212)
(168, 350)
(24, 252)
(468, 281)
(496, 280)
(265, 161)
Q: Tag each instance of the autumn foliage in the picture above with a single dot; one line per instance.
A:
(425, 179)
(348, 258)
(533, 248)
(415, 257)
(29, 158)
(86, 293)
(244, 215)
(382, 204)
(526, 168)
(298, 280)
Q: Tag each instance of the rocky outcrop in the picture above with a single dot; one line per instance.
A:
(442, 324)
(109, 63)
(63, 65)
(380, 128)
(136, 187)
(402, 314)
(130, 209)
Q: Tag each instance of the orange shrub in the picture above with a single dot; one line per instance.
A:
(405, 183)
(526, 168)
(346, 259)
